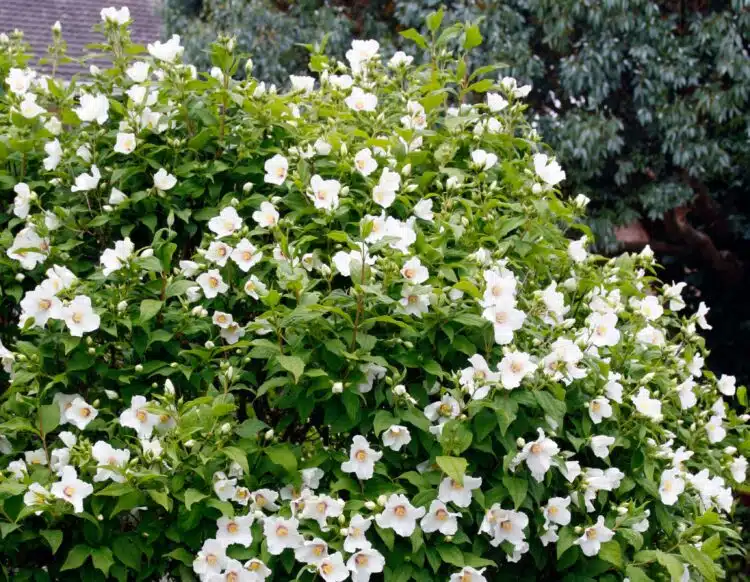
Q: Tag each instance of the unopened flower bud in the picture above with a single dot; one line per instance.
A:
(57, 27)
(168, 387)
(246, 187)
(234, 202)
(139, 368)
(370, 505)
(520, 442)
(92, 351)
(269, 434)
(342, 519)
(344, 531)
(147, 253)
(210, 345)
(578, 529)
(399, 390)
(337, 388)
(20, 277)
(190, 444)
(122, 306)
(622, 510)
(382, 500)
(226, 428)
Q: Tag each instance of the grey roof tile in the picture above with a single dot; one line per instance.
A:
(36, 17)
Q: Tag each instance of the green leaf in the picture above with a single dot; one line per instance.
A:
(456, 437)
(383, 421)
(181, 555)
(451, 554)
(76, 557)
(636, 574)
(54, 538)
(283, 456)
(127, 551)
(454, 467)
(161, 498)
(49, 417)
(506, 413)
(468, 287)
(292, 364)
(102, 559)
(611, 552)
(434, 20)
(413, 35)
(517, 489)
(238, 456)
(177, 288)
(193, 496)
(149, 309)
(473, 37)
(566, 538)
(699, 560)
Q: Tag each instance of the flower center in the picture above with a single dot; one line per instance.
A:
(413, 299)
(222, 251)
(69, 491)
(254, 566)
(141, 415)
(445, 409)
(501, 317)
(45, 304)
(318, 550)
(77, 317)
(591, 533)
(211, 559)
(247, 255)
(85, 412)
(507, 525)
(322, 506)
(399, 510)
(232, 527)
(232, 577)
(280, 172)
(516, 367)
(361, 456)
(326, 568)
(595, 406)
(441, 514)
(260, 500)
(282, 531)
(409, 273)
(536, 448)
(553, 510)
(361, 560)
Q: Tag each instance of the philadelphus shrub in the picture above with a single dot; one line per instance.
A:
(335, 330)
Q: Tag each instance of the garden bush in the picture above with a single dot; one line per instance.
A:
(347, 328)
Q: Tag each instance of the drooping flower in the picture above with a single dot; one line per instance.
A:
(399, 515)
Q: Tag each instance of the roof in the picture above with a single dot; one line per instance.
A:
(36, 17)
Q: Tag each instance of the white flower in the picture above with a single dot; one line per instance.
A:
(674, 294)
(54, 152)
(415, 300)
(359, 100)
(226, 223)
(548, 170)
(167, 51)
(222, 319)
(364, 162)
(593, 538)
(234, 530)
(22, 200)
(538, 455)
(511, 85)
(468, 574)
(600, 445)
(504, 525)
(93, 108)
(650, 336)
(513, 368)
(362, 459)
(257, 569)
(114, 259)
(311, 551)
(714, 429)
(42, 305)
(254, 287)
(577, 250)
(125, 143)
(267, 216)
(399, 515)
(687, 397)
(599, 409)
(332, 568)
(138, 71)
(325, 193)
(671, 486)
(500, 287)
(416, 118)
(700, 316)
(246, 255)
(556, 511)
(738, 468)
(423, 210)
(726, 385)
(483, 160)
(29, 107)
(505, 319)
(604, 330)
(36, 495)
(71, 489)
(400, 58)
(264, 500)
(112, 14)
(19, 80)
(321, 508)
(647, 406)
(80, 413)
(443, 410)
(27, 238)
(451, 491)
(138, 418)
(438, 518)
(496, 102)
(651, 308)
(117, 197)
(414, 272)
(342, 82)
(281, 534)
(361, 53)
(276, 169)
(211, 558)
(302, 83)
(364, 563)
(396, 436)
(85, 182)
(111, 462)
(80, 316)
(355, 533)
(218, 252)
(212, 283)
(163, 180)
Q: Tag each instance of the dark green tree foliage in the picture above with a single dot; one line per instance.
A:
(645, 102)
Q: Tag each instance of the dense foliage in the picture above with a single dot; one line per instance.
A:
(646, 102)
(341, 328)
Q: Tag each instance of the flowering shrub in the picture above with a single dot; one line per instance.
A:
(334, 331)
